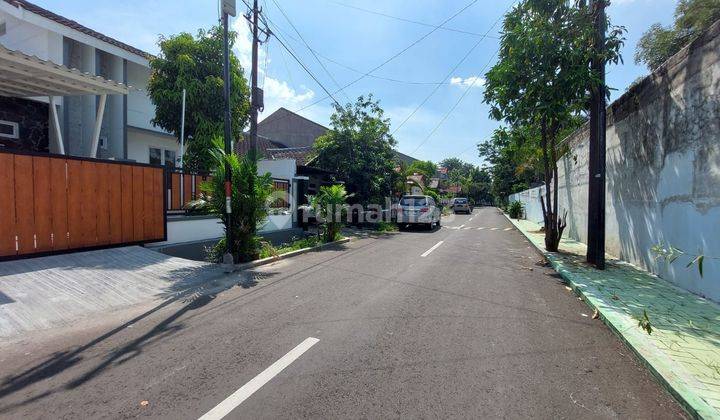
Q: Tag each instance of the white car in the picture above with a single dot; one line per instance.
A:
(418, 210)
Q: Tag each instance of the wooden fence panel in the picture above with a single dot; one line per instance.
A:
(103, 208)
(42, 207)
(7, 205)
(74, 170)
(158, 211)
(24, 209)
(88, 206)
(128, 224)
(138, 207)
(59, 203)
(175, 191)
(187, 189)
(55, 203)
(148, 202)
(115, 208)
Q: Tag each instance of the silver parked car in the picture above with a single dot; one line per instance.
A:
(418, 210)
(461, 205)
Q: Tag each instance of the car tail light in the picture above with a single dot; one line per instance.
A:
(424, 210)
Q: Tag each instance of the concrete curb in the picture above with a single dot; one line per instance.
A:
(628, 333)
(269, 260)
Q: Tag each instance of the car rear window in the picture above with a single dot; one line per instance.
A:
(413, 201)
(461, 201)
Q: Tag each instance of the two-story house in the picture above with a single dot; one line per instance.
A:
(126, 131)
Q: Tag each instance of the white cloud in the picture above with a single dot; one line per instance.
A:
(279, 90)
(474, 81)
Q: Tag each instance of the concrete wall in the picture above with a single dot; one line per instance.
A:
(193, 229)
(531, 203)
(663, 169)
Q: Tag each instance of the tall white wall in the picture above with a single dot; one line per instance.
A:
(140, 110)
(663, 169)
(531, 203)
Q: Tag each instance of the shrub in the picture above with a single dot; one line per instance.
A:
(330, 205)
(515, 210)
(249, 205)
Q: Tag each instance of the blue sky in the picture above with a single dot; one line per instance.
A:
(362, 41)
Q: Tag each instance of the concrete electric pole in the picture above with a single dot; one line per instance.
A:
(596, 186)
(228, 9)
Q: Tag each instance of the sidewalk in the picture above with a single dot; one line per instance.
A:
(683, 350)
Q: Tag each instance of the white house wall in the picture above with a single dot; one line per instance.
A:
(140, 110)
(140, 141)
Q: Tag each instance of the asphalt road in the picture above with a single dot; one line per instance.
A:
(474, 329)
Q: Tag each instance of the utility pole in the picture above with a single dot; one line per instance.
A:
(228, 9)
(254, 96)
(598, 119)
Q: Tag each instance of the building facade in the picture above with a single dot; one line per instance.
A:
(126, 132)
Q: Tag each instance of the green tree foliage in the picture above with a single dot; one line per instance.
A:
(196, 64)
(542, 81)
(456, 168)
(660, 42)
(507, 153)
(422, 167)
(359, 148)
(249, 205)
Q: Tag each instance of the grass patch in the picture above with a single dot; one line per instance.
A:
(268, 250)
(387, 227)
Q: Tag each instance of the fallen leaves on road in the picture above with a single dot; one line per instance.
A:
(596, 314)
(144, 403)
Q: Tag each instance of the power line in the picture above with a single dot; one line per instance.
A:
(450, 111)
(394, 56)
(330, 95)
(308, 46)
(374, 12)
(345, 66)
(449, 74)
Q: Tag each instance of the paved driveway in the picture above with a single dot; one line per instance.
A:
(371, 329)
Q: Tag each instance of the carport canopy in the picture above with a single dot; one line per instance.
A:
(27, 76)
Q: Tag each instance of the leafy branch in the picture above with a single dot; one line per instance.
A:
(670, 254)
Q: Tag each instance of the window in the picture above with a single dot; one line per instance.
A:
(413, 202)
(281, 194)
(170, 158)
(9, 129)
(155, 156)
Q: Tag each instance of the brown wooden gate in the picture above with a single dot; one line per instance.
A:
(54, 203)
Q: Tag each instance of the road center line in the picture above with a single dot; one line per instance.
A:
(436, 246)
(237, 397)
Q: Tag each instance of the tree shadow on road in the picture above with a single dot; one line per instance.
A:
(193, 295)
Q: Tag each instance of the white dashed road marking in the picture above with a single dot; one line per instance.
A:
(494, 228)
(481, 228)
(237, 398)
(436, 246)
(461, 226)
(507, 229)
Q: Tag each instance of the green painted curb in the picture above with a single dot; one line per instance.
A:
(633, 339)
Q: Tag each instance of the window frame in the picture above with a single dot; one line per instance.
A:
(15, 130)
